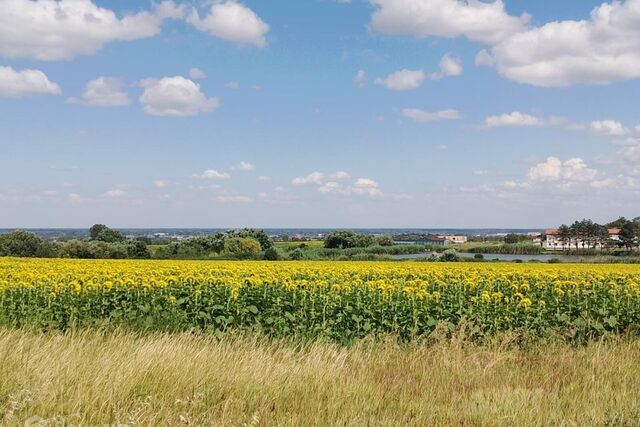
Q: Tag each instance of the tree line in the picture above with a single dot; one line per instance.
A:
(591, 234)
(107, 243)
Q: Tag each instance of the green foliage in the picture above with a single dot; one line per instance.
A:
(516, 238)
(260, 235)
(343, 239)
(242, 247)
(138, 250)
(450, 255)
(515, 249)
(24, 244)
(103, 233)
(83, 249)
(384, 241)
(296, 255)
(271, 254)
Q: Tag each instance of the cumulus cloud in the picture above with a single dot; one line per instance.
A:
(243, 166)
(602, 49)
(175, 96)
(312, 178)
(450, 66)
(608, 128)
(213, 174)
(515, 118)
(367, 187)
(418, 115)
(197, 74)
(103, 92)
(233, 22)
(402, 80)
(25, 83)
(475, 20)
(554, 170)
(63, 29)
(160, 183)
(360, 78)
(338, 176)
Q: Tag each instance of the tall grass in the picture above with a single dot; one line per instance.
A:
(97, 378)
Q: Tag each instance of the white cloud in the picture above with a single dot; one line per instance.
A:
(599, 50)
(116, 193)
(402, 80)
(360, 78)
(312, 178)
(103, 92)
(26, 82)
(233, 22)
(233, 199)
(264, 178)
(175, 96)
(554, 170)
(480, 172)
(58, 30)
(608, 128)
(232, 85)
(450, 66)
(424, 116)
(197, 74)
(338, 176)
(213, 174)
(515, 118)
(74, 198)
(476, 20)
(159, 183)
(243, 166)
(367, 187)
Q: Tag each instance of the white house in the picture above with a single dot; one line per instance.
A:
(551, 241)
(454, 239)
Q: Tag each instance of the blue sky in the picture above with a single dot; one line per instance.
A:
(381, 113)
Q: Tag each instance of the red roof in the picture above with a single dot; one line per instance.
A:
(551, 232)
(614, 231)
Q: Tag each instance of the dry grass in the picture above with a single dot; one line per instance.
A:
(95, 378)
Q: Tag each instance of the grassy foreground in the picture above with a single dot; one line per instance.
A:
(119, 378)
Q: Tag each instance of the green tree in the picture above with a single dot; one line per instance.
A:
(103, 233)
(260, 235)
(271, 254)
(242, 247)
(384, 240)
(629, 235)
(138, 250)
(20, 244)
(514, 238)
(564, 235)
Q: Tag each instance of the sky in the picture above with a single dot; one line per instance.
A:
(318, 113)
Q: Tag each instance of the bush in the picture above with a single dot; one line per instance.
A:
(450, 255)
(296, 255)
(348, 239)
(24, 244)
(384, 240)
(478, 256)
(242, 247)
(271, 254)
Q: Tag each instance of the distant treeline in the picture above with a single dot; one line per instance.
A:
(106, 243)
(591, 234)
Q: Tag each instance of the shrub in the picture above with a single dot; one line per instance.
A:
(242, 247)
(384, 240)
(450, 255)
(296, 254)
(271, 254)
(24, 244)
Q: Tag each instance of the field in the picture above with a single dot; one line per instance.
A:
(88, 342)
(336, 301)
(117, 378)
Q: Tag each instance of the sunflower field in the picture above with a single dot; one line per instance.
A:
(340, 301)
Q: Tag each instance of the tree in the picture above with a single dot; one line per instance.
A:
(564, 235)
(20, 244)
(628, 235)
(103, 233)
(260, 235)
(271, 254)
(242, 247)
(344, 239)
(138, 249)
(384, 240)
(514, 238)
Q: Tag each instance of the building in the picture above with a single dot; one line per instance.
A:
(456, 240)
(552, 241)
(436, 240)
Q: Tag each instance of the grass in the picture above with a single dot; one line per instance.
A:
(98, 378)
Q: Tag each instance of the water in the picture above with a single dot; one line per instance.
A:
(501, 257)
